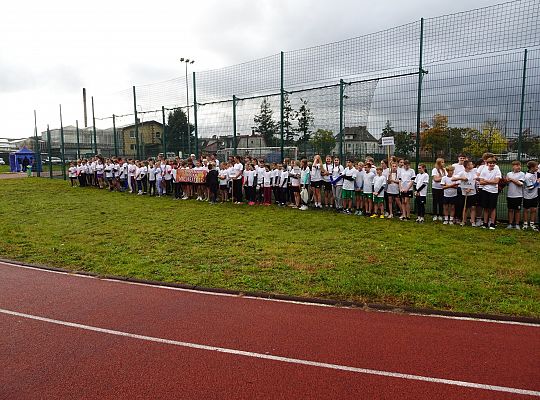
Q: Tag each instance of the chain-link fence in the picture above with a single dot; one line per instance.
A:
(460, 83)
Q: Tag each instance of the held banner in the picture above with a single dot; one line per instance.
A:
(191, 176)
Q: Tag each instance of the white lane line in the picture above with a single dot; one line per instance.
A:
(202, 292)
(279, 358)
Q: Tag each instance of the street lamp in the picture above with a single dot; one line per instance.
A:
(187, 61)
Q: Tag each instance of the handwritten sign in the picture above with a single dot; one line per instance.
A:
(191, 176)
(387, 141)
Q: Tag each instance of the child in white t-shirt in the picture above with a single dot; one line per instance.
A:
(450, 195)
(514, 196)
(367, 188)
(349, 176)
(530, 196)
(406, 177)
(467, 183)
(421, 183)
(489, 179)
(379, 187)
(358, 188)
(223, 177)
(72, 174)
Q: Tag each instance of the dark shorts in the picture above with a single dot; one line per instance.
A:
(472, 201)
(327, 186)
(295, 189)
(407, 194)
(450, 200)
(394, 195)
(530, 203)
(223, 187)
(489, 200)
(316, 184)
(514, 203)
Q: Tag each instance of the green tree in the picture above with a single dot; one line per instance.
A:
(177, 133)
(305, 119)
(265, 124)
(404, 144)
(288, 118)
(434, 136)
(323, 141)
(490, 139)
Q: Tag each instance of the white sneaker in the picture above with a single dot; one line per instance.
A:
(390, 216)
(303, 207)
(386, 214)
(509, 226)
(450, 222)
(445, 222)
(435, 218)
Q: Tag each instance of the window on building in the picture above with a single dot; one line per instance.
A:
(132, 134)
(132, 147)
(158, 135)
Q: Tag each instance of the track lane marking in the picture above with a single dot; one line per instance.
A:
(288, 360)
(202, 292)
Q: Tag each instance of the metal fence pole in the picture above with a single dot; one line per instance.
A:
(49, 151)
(63, 145)
(114, 135)
(195, 117)
(234, 123)
(164, 138)
(37, 150)
(419, 104)
(136, 124)
(522, 107)
(282, 105)
(341, 119)
(94, 126)
(78, 139)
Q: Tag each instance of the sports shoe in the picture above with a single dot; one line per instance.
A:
(509, 226)
(386, 214)
(450, 222)
(441, 218)
(402, 218)
(390, 216)
(435, 218)
(534, 227)
(417, 219)
(492, 227)
(381, 217)
(517, 228)
(525, 226)
(374, 216)
(445, 222)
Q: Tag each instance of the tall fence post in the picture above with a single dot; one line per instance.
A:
(63, 145)
(522, 108)
(164, 138)
(234, 123)
(94, 127)
(419, 104)
(341, 119)
(282, 105)
(49, 151)
(78, 139)
(114, 135)
(195, 117)
(136, 124)
(37, 150)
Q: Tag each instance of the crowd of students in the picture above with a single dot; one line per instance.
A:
(464, 191)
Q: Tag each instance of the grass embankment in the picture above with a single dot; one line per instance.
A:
(313, 253)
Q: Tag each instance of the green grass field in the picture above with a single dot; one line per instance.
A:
(269, 249)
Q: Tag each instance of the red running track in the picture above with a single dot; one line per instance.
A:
(275, 350)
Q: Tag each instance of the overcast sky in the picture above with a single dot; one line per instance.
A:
(50, 50)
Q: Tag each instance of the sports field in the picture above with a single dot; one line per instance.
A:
(269, 249)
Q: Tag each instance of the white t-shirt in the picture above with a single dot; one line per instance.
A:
(316, 173)
(515, 191)
(359, 181)
(369, 178)
(327, 168)
(267, 178)
(347, 184)
(284, 178)
(238, 169)
(152, 172)
(422, 179)
(379, 184)
(435, 172)
(108, 171)
(223, 177)
(458, 168)
(249, 178)
(260, 175)
(489, 176)
(530, 190)
(449, 192)
(167, 172)
(336, 171)
(72, 172)
(132, 170)
(406, 176)
(393, 188)
(99, 168)
(469, 184)
(294, 176)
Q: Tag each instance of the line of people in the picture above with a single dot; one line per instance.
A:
(460, 192)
